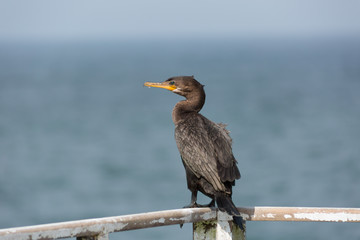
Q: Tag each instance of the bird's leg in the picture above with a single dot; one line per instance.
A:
(193, 203)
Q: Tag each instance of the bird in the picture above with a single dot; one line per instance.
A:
(205, 147)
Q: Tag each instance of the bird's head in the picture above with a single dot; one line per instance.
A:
(183, 85)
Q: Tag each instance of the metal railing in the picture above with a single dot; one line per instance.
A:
(218, 224)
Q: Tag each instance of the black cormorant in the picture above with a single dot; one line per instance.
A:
(204, 146)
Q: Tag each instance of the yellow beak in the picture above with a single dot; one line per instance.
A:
(164, 85)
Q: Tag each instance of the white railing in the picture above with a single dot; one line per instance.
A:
(209, 223)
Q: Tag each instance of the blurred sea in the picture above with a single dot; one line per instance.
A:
(80, 137)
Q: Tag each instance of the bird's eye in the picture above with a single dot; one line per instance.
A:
(172, 83)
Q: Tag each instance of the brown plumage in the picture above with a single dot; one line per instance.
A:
(204, 146)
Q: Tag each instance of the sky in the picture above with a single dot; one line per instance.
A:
(143, 19)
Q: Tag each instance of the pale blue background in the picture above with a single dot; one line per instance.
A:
(80, 137)
(83, 19)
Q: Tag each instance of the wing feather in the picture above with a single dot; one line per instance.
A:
(205, 148)
(227, 168)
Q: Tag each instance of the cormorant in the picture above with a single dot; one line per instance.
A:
(204, 146)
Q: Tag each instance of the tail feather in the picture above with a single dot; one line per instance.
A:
(238, 220)
(225, 204)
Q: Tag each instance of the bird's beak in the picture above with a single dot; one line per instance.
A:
(164, 85)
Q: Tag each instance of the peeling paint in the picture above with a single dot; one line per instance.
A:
(185, 219)
(111, 227)
(331, 217)
(104, 226)
(208, 216)
(161, 220)
(245, 216)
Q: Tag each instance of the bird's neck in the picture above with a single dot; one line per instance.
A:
(191, 104)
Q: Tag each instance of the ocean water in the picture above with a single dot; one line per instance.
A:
(80, 137)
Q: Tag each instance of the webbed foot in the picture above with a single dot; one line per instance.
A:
(192, 205)
(196, 205)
